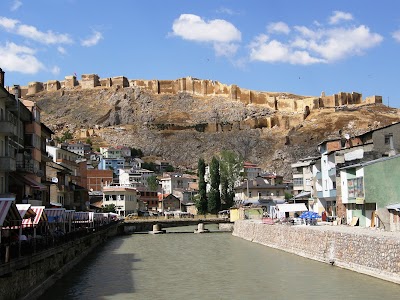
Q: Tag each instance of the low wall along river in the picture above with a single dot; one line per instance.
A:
(363, 250)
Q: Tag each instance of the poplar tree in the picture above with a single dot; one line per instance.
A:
(214, 197)
(231, 166)
(201, 203)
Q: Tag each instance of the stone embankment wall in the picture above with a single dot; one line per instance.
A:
(372, 253)
(29, 277)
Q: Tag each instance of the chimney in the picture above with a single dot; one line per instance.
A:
(1, 78)
(16, 91)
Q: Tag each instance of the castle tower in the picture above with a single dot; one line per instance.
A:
(70, 81)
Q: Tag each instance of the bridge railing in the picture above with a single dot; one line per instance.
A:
(177, 217)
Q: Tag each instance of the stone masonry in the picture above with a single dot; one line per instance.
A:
(363, 250)
(275, 101)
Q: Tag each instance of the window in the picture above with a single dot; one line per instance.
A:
(355, 187)
(297, 181)
(387, 138)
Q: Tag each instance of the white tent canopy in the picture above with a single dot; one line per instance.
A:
(293, 207)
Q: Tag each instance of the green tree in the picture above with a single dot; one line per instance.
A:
(231, 166)
(149, 166)
(169, 168)
(288, 196)
(152, 183)
(89, 141)
(108, 208)
(66, 136)
(136, 152)
(214, 197)
(201, 200)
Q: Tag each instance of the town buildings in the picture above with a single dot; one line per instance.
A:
(353, 180)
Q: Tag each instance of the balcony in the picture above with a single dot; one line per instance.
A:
(24, 166)
(7, 164)
(327, 194)
(8, 128)
(332, 172)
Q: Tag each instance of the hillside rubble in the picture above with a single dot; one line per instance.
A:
(165, 125)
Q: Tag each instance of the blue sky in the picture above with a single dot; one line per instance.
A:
(301, 47)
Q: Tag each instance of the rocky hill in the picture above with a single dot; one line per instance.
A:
(182, 127)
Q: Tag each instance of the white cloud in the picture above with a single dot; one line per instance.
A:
(339, 16)
(21, 59)
(325, 44)
(339, 43)
(220, 33)
(225, 10)
(278, 27)
(396, 35)
(275, 51)
(55, 70)
(15, 5)
(8, 24)
(31, 32)
(61, 50)
(93, 40)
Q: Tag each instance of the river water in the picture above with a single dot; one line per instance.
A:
(213, 265)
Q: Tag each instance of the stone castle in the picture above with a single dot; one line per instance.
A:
(275, 101)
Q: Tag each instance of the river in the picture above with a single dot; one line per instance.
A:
(213, 265)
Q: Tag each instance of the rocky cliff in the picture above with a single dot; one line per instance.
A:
(183, 127)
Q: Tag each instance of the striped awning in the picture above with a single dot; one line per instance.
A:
(31, 222)
(100, 217)
(69, 215)
(55, 215)
(83, 216)
(26, 211)
(9, 214)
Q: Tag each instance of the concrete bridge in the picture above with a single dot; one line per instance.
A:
(147, 224)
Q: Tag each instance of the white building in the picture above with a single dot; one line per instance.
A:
(110, 152)
(251, 170)
(176, 181)
(303, 176)
(134, 177)
(125, 199)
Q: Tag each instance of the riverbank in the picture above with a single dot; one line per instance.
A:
(28, 277)
(371, 252)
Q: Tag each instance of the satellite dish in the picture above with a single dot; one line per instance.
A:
(346, 136)
(54, 179)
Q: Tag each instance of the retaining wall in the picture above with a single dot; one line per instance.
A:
(374, 254)
(29, 277)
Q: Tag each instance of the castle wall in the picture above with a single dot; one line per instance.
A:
(373, 99)
(53, 85)
(329, 101)
(70, 82)
(244, 96)
(105, 82)
(90, 81)
(35, 87)
(120, 81)
(207, 87)
(286, 105)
